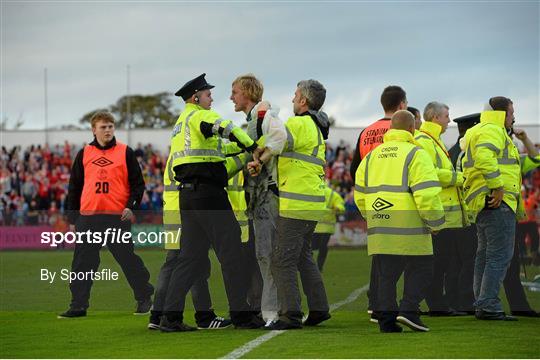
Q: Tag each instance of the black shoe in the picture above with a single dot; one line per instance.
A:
(72, 313)
(174, 326)
(489, 315)
(392, 329)
(215, 323)
(528, 313)
(283, 325)
(413, 322)
(374, 318)
(316, 317)
(143, 307)
(153, 323)
(255, 323)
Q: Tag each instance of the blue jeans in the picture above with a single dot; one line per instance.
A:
(496, 234)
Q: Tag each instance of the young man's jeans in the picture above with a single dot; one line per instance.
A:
(496, 233)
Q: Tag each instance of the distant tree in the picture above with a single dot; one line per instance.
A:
(147, 111)
(5, 121)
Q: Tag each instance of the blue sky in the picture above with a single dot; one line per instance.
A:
(459, 53)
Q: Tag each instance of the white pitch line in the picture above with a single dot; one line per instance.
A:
(247, 347)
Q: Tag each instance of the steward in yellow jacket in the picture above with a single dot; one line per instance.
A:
(447, 263)
(397, 192)
(327, 225)
(492, 186)
(301, 203)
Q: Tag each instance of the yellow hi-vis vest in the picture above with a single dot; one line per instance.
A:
(528, 163)
(189, 145)
(237, 198)
(397, 191)
(300, 171)
(455, 210)
(334, 205)
(491, 161)
(171, 201)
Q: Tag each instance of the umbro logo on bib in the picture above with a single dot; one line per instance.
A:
(102, 162)
(381, 204)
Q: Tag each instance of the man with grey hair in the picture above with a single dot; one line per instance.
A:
(301, 205)
(444, 285)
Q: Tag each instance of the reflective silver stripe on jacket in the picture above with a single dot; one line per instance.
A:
(454, 178)
(228, 130)
(171, 187)
(215, 127)
(398, 231)
(187, 136)
(489, 146)
(492, 175)
(475, 193)
(303, 157)
(303, 197)
(434, 223)
(452, 208)
(425, 185)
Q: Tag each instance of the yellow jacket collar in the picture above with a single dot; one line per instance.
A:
(432, 128)
(493, 117)
(398, 135)
(190, 106)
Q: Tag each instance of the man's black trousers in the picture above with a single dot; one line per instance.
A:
(86, 258)
(207, 220)
(418, 272)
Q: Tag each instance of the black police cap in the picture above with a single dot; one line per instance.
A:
(467, 121)
(192, 86)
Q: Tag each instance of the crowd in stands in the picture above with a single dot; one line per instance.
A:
(34, 182)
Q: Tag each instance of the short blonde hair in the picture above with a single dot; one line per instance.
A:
(251, 87)
(101, 116)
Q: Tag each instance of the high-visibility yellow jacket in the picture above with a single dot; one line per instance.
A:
(491, 161)
(171, 200)
(237, 198)
(300, 170)
(455, 209)
(397, 191)
(334, 205)
(528, 163)
(189, 145)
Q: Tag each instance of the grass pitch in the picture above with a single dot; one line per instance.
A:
(29, 327)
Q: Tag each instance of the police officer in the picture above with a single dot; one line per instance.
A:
(105, 186)
(205, 316)
(401, 208)
(301, 204)
(207, 218)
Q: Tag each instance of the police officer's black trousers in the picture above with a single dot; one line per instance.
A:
(207, 220)
(443, 254)
(458, 281)
(86, 258)
(418, 272)
(512, 284)
(200, 293)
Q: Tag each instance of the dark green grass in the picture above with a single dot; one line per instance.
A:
(29, 327)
